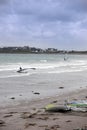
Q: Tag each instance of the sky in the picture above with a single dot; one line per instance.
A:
(60, 24)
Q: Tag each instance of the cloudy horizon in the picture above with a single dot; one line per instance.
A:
(59, 24)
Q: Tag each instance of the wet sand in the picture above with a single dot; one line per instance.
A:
(32, 115)
(19, 112)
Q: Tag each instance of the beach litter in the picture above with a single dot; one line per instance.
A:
(35, 92)
(55, 108)
(61, 87)
(12, 98)
(79, 106)
(2, 123)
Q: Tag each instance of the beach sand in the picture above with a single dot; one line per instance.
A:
(31, 115)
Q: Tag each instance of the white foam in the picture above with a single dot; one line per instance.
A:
(46, 65)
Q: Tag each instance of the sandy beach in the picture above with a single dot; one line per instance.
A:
(32, 115)
(21, 113)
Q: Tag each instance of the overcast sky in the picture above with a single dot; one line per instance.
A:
(59, 24)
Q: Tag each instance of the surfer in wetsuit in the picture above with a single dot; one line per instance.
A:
(20, 69)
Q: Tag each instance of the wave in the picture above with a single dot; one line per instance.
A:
(44, 61)
(43, 66)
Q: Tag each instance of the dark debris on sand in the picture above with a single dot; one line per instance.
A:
(2, 123)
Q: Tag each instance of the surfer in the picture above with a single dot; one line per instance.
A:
(64, 59)
(24, 70)
(20, 70)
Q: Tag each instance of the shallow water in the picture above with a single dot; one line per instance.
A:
(43, 63)
(51, 72)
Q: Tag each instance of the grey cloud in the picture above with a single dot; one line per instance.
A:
(45, 10)
(5, 7)
(3, 2)
(79, 5)
(43, 21)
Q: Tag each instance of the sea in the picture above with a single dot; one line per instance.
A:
(40, 63)
(43, 74)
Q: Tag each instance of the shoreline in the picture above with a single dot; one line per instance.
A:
(61, 98)
(30, 114)
(20, 89)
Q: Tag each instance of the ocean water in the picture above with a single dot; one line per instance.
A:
(43, 73)
(43, 63)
